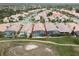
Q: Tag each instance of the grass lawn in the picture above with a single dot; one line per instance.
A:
(61, 50)
(66, 51)
(61, 40)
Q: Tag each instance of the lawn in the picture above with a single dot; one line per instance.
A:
(61, 40)
(60, 50)
(67, 51)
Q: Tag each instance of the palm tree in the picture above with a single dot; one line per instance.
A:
(32, 30)
(73, 33)
(42, 20)
(19, 30)
(33, 19)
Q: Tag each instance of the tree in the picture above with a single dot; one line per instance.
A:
(20, 18)
(32, 30)
(32, 19)
(49, 14)
(43, 22)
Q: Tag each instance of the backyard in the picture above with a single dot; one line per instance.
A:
(60, 45)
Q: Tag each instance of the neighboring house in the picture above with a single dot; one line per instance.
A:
(38, 30)
(52, 30)
(11, 30)
(25, 31)
(77, 27)
(37, 18)
(76, 30)
(63, 29)
(3, 28)
(14, 18)
(6, 19)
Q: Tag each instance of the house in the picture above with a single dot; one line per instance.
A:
(56, 14)
(37, 18)
(71, 25)
(38, 30)
(8, 33)
(26, 30)
(63, 28)
(11, 30)
(52, 30)
(13, 19)
(3, 28)
(76, 30)
(6, 19)
(77, 27)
